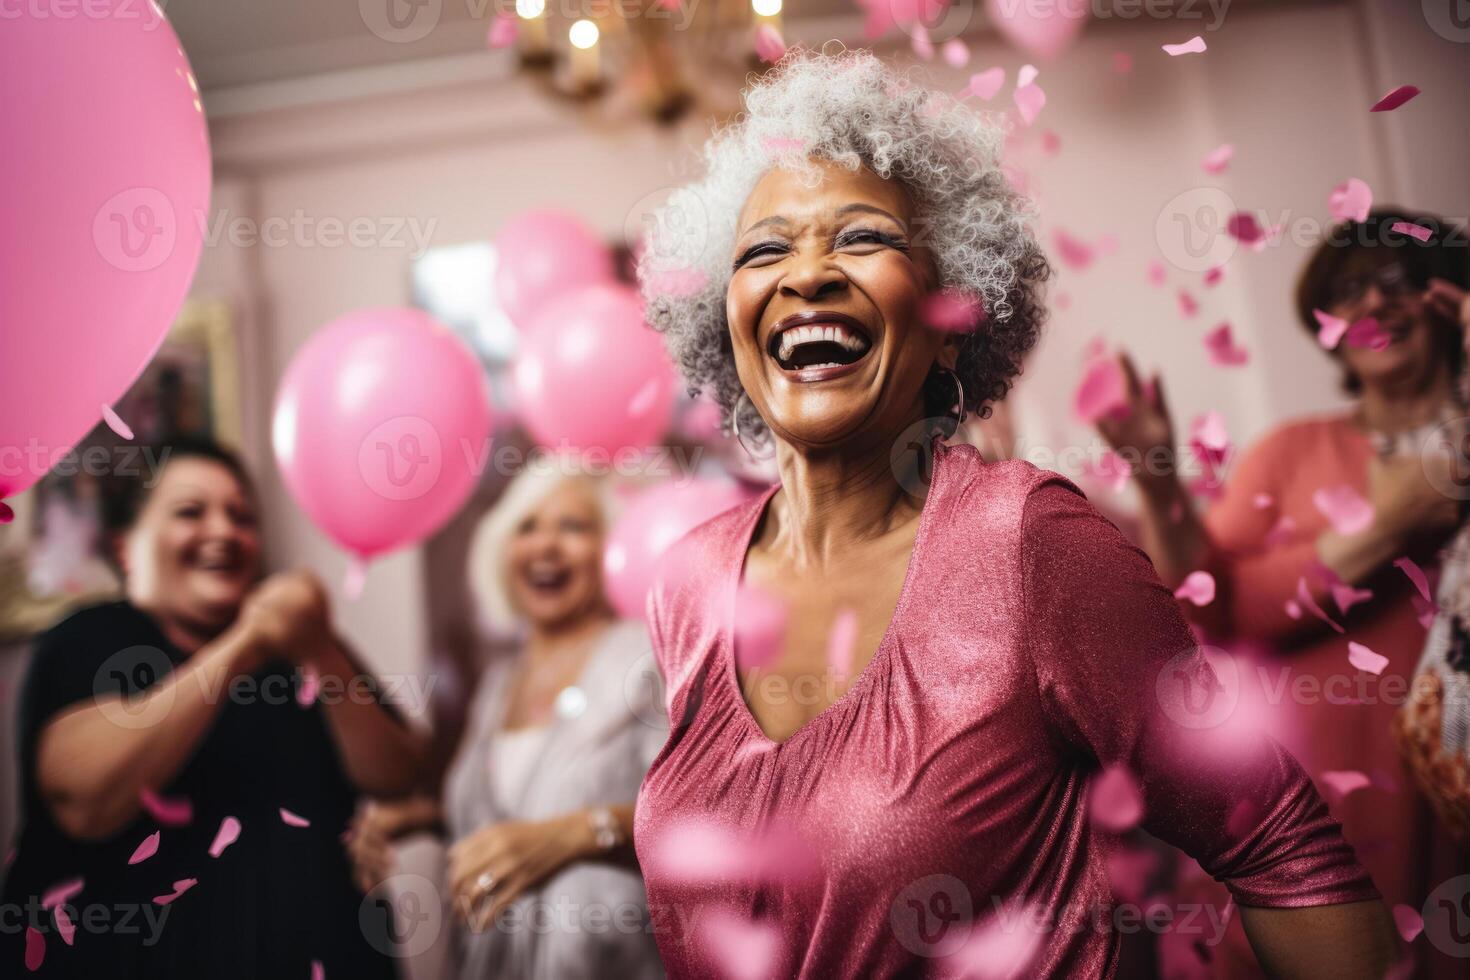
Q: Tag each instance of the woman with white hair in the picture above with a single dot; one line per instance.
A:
(539, 800)
(979, 681)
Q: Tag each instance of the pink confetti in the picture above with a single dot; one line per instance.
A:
(840, 643)
(956, 54)
(1026, 75)
(1293, 609)
(1030, 100)
(1209, 438)
(1412, 230)
(1122, 62)
(777, 144)
(984, 84)
(769, 46)
(1281, 532)
(6, 514)
(1114, 800)
(684, 282)
(1218, 159)
(760, 626)
(1109, 469)
(1262, 500)
(1409, 922)
(1051, 143)
(115, 423)
(1102, 392)
(1002, 947)
(1213, 275)
(1347, 597)
(1348, 512)
(922, 45)
(1344, 781)
(1195, 45)
(1074, 253)
(293, 819)
(35, 949)
(952, 311)
(1198, 587)
(1365, 659)
(310, 686)
(697, 851)
(62, 893)
(1416, 575)
(502, 32)
(1129, 869)
(745, 949)
(1222, 348)
(318, 972)
(228, 833)
(1330, 329)
(354, 577)
(1369, 333)
(645, 398)
(169, 811)
(65, 928)
(1244, 228)
(180, 886)
(1396, 98)
(1305, 601)
(1350, 201)
(147, 848)
(1187, 304)
(1156, 273)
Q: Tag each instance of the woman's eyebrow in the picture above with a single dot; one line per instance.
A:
(866, 209)
(774, 219)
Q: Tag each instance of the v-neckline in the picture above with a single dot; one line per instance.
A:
(865, 678)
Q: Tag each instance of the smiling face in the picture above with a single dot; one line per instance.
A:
(823, 307)
(193, 553)
(554, 558)
(1408, 348)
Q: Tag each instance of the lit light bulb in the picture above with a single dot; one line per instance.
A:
(583, 34)
(766, 8)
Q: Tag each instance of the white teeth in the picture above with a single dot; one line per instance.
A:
(794, 337)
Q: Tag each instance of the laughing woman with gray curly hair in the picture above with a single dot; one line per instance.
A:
(916, 769)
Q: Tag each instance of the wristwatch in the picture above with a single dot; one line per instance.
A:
(607, 830)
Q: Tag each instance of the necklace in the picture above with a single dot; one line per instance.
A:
(1413, 442)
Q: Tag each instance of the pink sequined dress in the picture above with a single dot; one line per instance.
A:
(936, 816)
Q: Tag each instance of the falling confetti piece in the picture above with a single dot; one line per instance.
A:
(1281, 532)
(308, 687)
(1156, 273)
(1395, 98)
(228, 833)
(1244, 228)
(985, 84)
(1412, 230)
(1410, 923)
(744, 948)
(1110, 469)
(1198, 587)
(293, 819)
(1218, 159)
(62, 893)
(1102, 392)
(1002, 947)
(1348, 512)
(35, 949)
(502, 32)
(760, 625)
(1262, 500)
(1187, 304)
(840, 643)
(1350, 201)
(1365, 659)
(777, 144)
(1194, 45)
(1222, 348)
(1344, 781)
(318, 972)
(180, 886)
(953, 311)
(1293, 609)
(169, 811)
(6, 514)
(645, 398)
(1305, 601)
(1330, 329)
(1122, 62)
(923, 47)
(1025, 75)
(683, 282)
(65, 928)
(1030, 100)
(1213, 275)
(1346, 597)
(147, 848)
(956, 53)
(1074, 253)
(1115, 801)
(1416, 575)
(1369, 333)
(354, 578)
(115, 423)
(769, 46)
(1051, 143)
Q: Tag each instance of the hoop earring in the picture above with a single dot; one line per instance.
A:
(959, 391)
(735, 426)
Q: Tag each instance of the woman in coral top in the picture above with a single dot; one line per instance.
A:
(913, 695)
(1322, 532)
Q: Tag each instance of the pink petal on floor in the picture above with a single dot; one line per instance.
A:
(743, 948)
(228, 833)
(1156, 273)
(1412, 230)
(1222, 348)
(956, 53)
(65, 928)
(1187, 304)
(1114, 800)
(760, 626)
(318, 972)
(1347, 597)
(769, 46)
(35, 949)
(1348, 512)
(502, 33)
(1395, 98)
(952, 311)
(293, 819)
(62, 893)
(1365, 659)
(1415, 574)
(1341, 782)
(1350, 201)
(1122, 62)
(1410, 923)
(147, 848)
(1030, 100)
(985, 84)
(1330, 329)
(840, 642)
(1194, 45)
(1218, 159)
(115, 423)
(171, 811)
(1198, 587)
(180, 886)
(1213, 275)
(1102, 392)
(1369, 333)
(1074, 253)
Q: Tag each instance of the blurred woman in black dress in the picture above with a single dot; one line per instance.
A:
(190, 756)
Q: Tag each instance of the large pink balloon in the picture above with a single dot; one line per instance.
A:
(590, 374)
(1041, 30)
(540, 255)
(381, 426)
(104, 189)
(654, 520)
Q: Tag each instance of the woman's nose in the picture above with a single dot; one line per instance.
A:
(813, 277)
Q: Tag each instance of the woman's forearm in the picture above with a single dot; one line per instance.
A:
(93, 763)
(1346, 942)
(1355, 558)
(1171, 532)
(383, 756)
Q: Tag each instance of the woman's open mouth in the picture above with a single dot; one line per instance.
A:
(816, 345)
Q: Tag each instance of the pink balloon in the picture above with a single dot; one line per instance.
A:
(591, 374)
(652, 521)
(104, 187)
(541, 255)
(1041, 30)
(381, 428)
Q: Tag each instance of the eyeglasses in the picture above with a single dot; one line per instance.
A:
(1392, 281)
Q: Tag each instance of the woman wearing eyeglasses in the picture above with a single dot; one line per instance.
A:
(1292, 588)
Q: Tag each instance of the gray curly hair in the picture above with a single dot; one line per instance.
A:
(849, 108)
